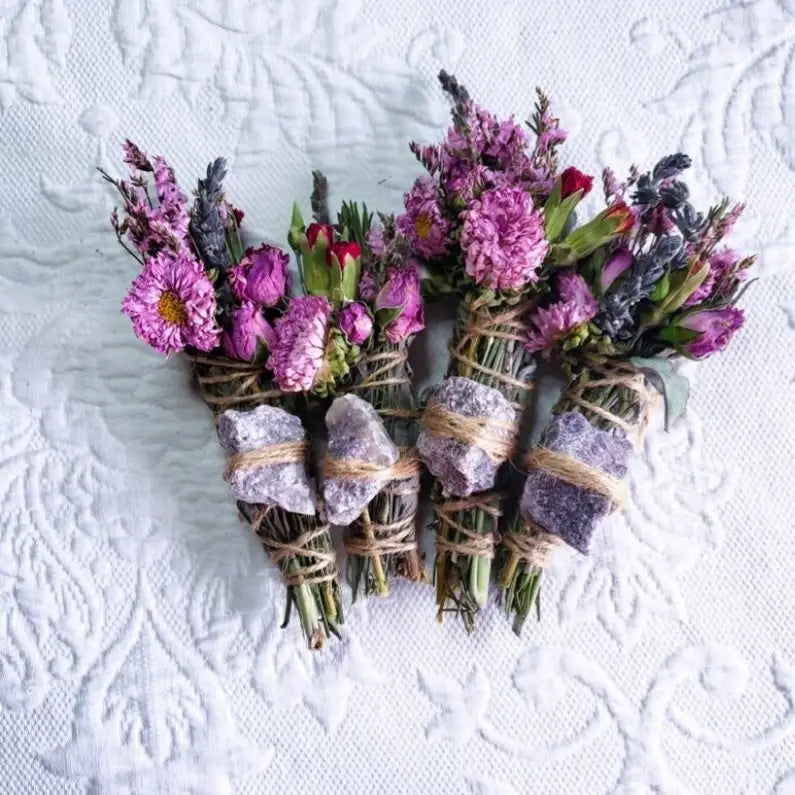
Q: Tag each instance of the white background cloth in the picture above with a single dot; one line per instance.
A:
(139, 647)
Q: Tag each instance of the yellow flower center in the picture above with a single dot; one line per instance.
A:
(423, 225)
(171, 309)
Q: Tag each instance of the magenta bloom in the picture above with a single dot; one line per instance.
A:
(368, 286)
(423, 223)
(402, 291)
(172, 304)
(262, 276)
(620, 260)
(247, 330)
(300, 350)
(577, 305)
(721, 264)
(356, 323)
(716, 327)
(503, 237)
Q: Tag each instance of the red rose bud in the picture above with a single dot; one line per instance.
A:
(320, 232)
(239, 215)
(622, 216)
(345, 252)
(573, 180)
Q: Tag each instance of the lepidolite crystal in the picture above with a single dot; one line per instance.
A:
(561, 508)
(355, 431)
(286, 485)
(462, 467)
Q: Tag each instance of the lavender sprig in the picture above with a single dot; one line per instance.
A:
(208, 223)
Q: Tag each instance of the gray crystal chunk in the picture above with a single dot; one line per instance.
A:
(561, 508)
(461, 467)
(286, 485)
(355, 430)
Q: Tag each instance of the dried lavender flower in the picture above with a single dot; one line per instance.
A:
(208, 224)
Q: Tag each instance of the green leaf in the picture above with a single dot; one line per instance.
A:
(677, 335)
(674, 388)
(336, 293)
(661, 289)
(383, 317)
(316, 272)
(350, 280)
(557, 215)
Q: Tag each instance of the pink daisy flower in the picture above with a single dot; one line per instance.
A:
(172, 304)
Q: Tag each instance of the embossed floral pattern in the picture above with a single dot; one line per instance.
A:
(140, 649)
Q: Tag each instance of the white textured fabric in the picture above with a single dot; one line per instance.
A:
(139, 646)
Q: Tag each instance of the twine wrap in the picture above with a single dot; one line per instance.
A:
(474, 544)
(227, 384)
(407, 466)
(534, 544)
(389, 368)
(270, 455)
(482, 322)
(495, 437)
(322, 565)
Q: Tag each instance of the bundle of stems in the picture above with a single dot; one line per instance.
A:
(487, 347)
(300, 545)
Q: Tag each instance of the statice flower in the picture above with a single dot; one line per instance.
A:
(503, 239)
(577, 305)
(298, 357)
(423, 223)
(172, 304)
(368, 286)
(721, 264)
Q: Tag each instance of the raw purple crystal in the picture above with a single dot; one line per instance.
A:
(561, 508)
(464, 468)
(355, 430)
(286, 485)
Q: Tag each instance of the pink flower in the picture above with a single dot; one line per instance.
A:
(721, 265)
(577, 305)
(346, 253)
(172, 304)
(262, 276)
(401, 292)
(135, 157)
(423, 223)
(503, 237)
(573, 180)
(248, 329)
(715, 329)
(620, 260)
(368, 286)
(300, 350)
(356, 323)
(375, 241)
(322, 232)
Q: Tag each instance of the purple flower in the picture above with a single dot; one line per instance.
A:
(715, 329)
(620, 260)
(356, 323)
(300, 350)
(135, 157)
(247, 330)
(429, 156)
(576, 306)
(503, 237)
(401, 291)
(423, 223)
(368, 286)
(720, 277)
(262, 276)
(172, 304)
(375, 241)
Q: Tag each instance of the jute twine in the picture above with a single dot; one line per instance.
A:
(321, 565)
(238, 385)
(534, 544)
(237, 381)
(496, 438)
(399, 479)
(474, 544)
(505, 324)
(387, 368)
